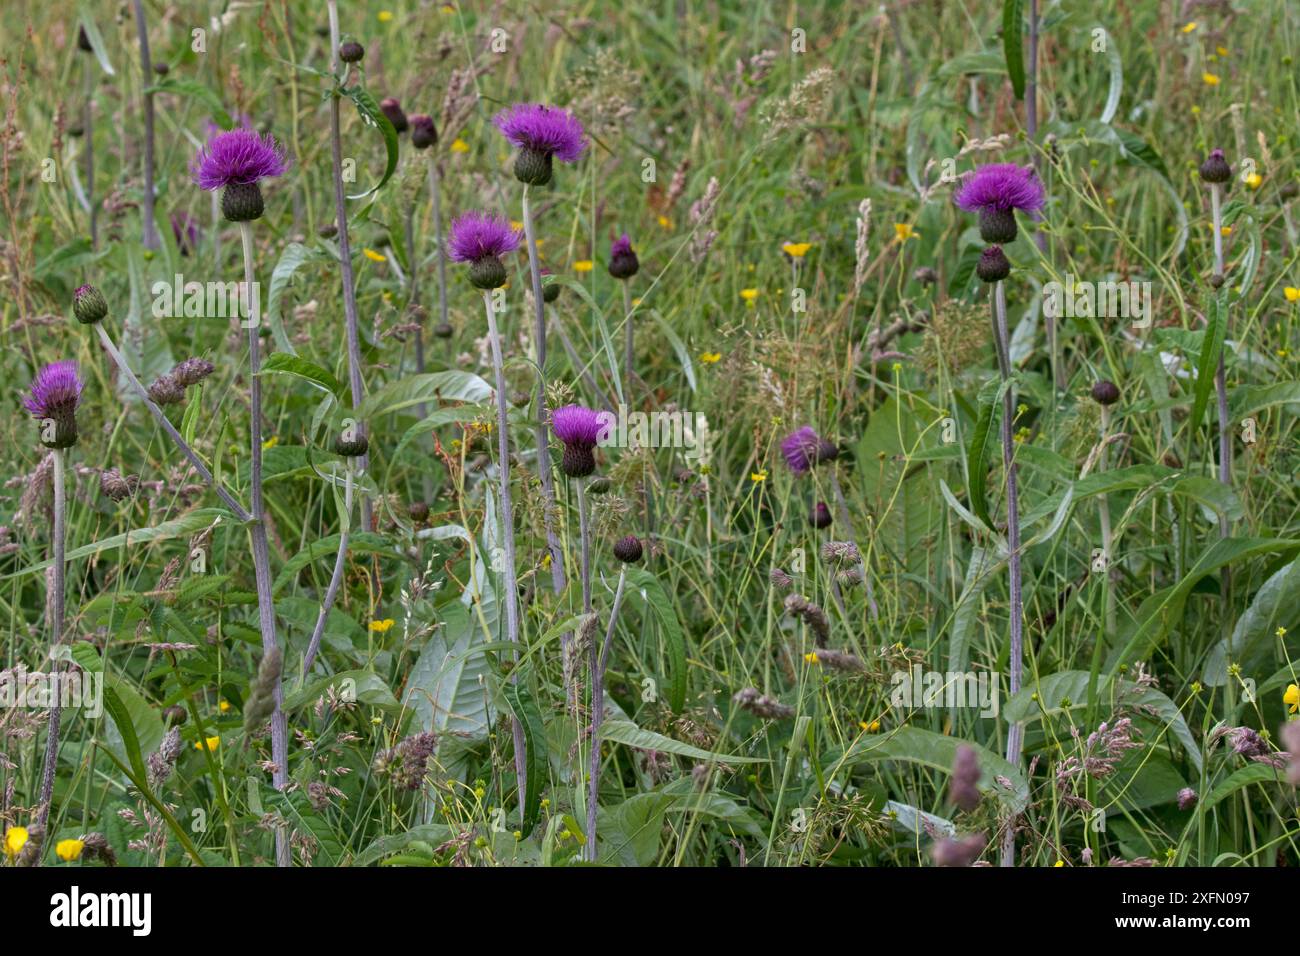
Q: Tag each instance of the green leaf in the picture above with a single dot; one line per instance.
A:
(195, 90)
(1116, 75)
(429, 388)
(1067, 691)
(96, 41)
(373, 116)
(1259, 773)
(679, 347)
(289, 364)
(523, 706)
(626, 732)
(131, 715)
(295, 808)
(180, 527)
(294, 255)
(935, 750)
(360, 542)
(1207, 366)
(1012, 46)
(976, 476)
(648, 586)
(1245, 400)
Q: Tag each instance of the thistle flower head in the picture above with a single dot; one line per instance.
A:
(540, 133)
(237, 157)
(391, 107)
(481, 240)
(994, 191)
(477, 235)
(628, 549)
(623, 263)
(423, 131)
(579, 428)
(88, 305)
(543, 129)
(800, 449)
(1215, 169)
(55, 395)
(820, 515)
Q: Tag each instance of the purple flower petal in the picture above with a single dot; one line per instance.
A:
(1001, 186)
(545, 129)
(577, 425)
(56, 391)
(237, 156)
(477, 235)
(800, 449)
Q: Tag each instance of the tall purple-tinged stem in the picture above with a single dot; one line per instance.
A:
(435, 194)
(150, 238)
(629, 338)
(257, 534)
(1016, 731)
(540, 429)
(56, 635)
(355, 384)
(510, 584)
(336, 578)
(88, 140)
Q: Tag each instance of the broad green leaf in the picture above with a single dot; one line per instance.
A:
(373, 116)
(647, 585)
(1013, 46)
(626, 732)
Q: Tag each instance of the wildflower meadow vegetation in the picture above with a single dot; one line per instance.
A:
(667, 433)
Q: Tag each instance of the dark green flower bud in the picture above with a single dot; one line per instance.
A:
(88, 305)
(487, 273)
(997, 225)
(351, 52)
(1215, 169)
(628, 550)
(533, 167)
(993, 265)
(242, 202)
(1105, 393)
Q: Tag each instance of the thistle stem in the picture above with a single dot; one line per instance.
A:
(88, 137)
(355, 384)
(628, 338)
(150, 238)
(336, 578)
(510, 584)
(257, 534)
(59, 535)
(1015, 731)
(435, 195)
(1221, 385)
(120, 361)
(599, 658)
(1103, 505)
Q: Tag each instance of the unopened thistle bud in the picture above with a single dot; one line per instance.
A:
(418, 511)
(392, 108)
(1215, 169)
(351, 443)
(623, 263)
(423, 131)
(599, 486)
(83, 41)
(351, 52)
(443, 330)
(820, 515)
(1105, 393)
(88, 305)
(162, 69)
(993, 265)
(628, 550)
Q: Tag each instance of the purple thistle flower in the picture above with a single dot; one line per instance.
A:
(579, 428)
(800, 449)
(1001, 186)
(994, 191)
(540, 133)
(55, 395)
(481, 240)
(234, 162)
(237, 157)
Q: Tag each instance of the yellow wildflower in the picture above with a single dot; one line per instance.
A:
(796, 250)
(1292, 294)
(1292, 698)
(1280, 633)
(1059, 863)
(1254, 180)
(1226, 230)
(749, 295)
(583, 265)
(458, 145)
(1190, 27)
(212, 743)
(271, 442)
(385, 16)
(810, 657)
(1221, 50)
(870, 726)
(15, 840)
(69, 850)
(665, 222)
(375, 256)
(223, 706)
(903, 231)
(709, 358)
(757, 476)
(381, 627)
(1209, 79)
